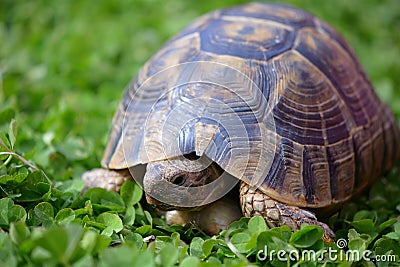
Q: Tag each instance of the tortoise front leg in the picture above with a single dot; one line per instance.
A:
(111, 180)
(253, 202)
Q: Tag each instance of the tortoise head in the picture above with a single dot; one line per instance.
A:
(178, 184)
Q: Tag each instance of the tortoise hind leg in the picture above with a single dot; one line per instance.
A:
(110, 180)
(253, 202)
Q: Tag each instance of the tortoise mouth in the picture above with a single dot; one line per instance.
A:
(167, 207)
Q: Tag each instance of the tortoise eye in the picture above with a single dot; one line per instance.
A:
(179, 180)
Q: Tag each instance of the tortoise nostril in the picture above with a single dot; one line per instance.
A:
(179, 180)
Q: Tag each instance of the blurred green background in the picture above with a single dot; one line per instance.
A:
(65, 64)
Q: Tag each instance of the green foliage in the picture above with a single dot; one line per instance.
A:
(63, 67)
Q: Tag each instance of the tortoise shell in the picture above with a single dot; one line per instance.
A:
(270, 93)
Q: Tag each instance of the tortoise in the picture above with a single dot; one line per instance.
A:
(265, 95)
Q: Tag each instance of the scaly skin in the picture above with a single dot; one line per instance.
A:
(110, 180)
(254, 202)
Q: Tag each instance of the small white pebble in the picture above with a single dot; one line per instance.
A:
(149, 239)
